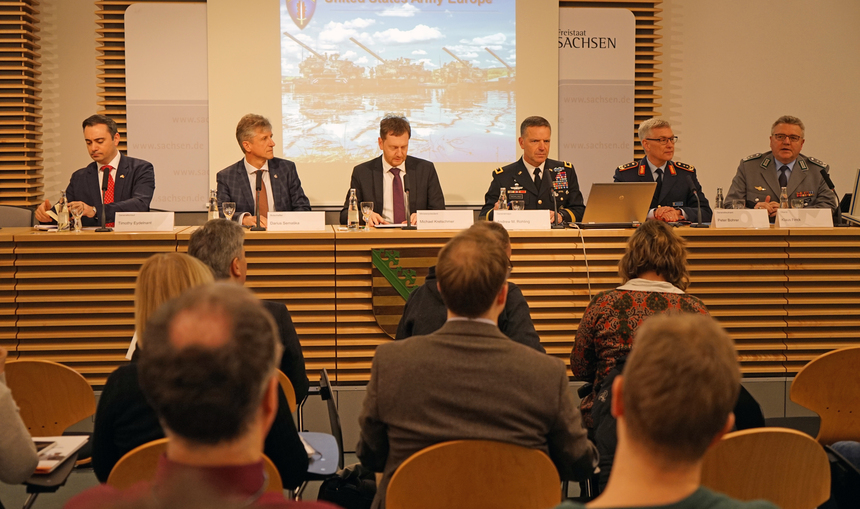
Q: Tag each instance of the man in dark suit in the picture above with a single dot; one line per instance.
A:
(131, 182)
(468, 380)
(533, 177)
(677, 186)
(281, 188)
(379, 180)
(220, 245)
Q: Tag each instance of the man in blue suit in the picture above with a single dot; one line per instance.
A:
(131, 181)
(281, 188)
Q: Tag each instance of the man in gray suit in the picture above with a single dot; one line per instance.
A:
(760, 176)
(468, 380)
(280, 190)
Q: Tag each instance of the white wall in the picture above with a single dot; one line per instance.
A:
(69, 87)
(733, 67)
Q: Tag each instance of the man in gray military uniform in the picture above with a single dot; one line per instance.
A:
(760, 176)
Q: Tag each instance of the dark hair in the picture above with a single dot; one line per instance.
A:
(655, 246)
(217, 243)
(395, 125)
(533, 122)
(94, 120)
(209, 356)
(471, 270)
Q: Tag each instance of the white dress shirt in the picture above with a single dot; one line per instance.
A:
(252, 180)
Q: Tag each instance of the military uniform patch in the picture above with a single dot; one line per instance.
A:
(817, 161)
(754, 156)
(685, 166)
(499, 170)
(628, 166)
(567, 165)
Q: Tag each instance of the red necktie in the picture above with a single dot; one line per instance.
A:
(264, 196)
(108, 197)
(397, 190)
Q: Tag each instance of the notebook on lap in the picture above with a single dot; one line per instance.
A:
(617, 205)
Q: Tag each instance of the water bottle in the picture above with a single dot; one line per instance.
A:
(783, 198)
(213, 205)
(718, 201)
(63, 213)
(352, 215)
(503, 199)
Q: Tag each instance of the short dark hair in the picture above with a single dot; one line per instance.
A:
(94, 120)
(395, 125)
(533, 121)
(217, 243)
(471, 270)
(209, 394)
(681, 382)
(655, 246)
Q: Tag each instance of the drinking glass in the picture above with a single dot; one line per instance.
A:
(518, 205)
(77, 213)
(797, 203)
(738, 204)
(229, 208)
(366, 209)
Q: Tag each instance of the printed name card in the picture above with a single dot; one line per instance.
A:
(522, 219)
(804, 218)
(143, 222)
(445, 219)
(740, 218)
(296, 221)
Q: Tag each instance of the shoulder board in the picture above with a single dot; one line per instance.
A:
(819, 162)
(567, 165)
(754, 156)
(629, 165)
(684, 166)
(499, 170)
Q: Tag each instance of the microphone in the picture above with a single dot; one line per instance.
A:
(409, 225)
(259, 186)
(826, 177)
(699, 206)
(105, 178)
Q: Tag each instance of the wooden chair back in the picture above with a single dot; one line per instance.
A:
(289, 391)
(830, 386)
(141, 464)
(475, 473)
(51, 396)
(784, 466)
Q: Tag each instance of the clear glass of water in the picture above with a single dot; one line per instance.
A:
(366, 209)
(77, 213)
(229, 208)
(518, 205)
(797, 203)
(739, 204)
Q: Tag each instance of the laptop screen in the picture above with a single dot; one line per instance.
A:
(853, 214)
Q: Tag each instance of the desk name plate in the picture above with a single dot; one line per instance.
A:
(143, 222)
(804, 218)
(445, 219)
(295, 221)
(522, 219)
(740, 218)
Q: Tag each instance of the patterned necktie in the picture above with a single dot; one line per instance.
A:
(264, 197)
(783, 176)
(537, 178)
(108, 196)
(397, 190)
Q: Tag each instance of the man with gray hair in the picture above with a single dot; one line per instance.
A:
(220, 245)
(761, 176)
(678, 195)
(281, 189)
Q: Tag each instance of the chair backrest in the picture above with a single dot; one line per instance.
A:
(51, 396)
(784, 466)
(15, 216)
(289, 391)
(333, 417)
(141, 464)
(830, 386)
(474, 473)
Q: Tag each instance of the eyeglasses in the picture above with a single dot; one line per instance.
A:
(781, 137)
(663, 141)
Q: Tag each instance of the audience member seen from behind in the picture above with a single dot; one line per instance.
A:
(425, 311)
(673, 401)
(467, 380)
(18, 458)
(208, 370)
(654, 276)
(220, 245)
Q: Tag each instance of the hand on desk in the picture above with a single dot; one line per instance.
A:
(42, 212)
(770, 206)
(555, 218)
(250, 220)
(668, 214)
(88, 210)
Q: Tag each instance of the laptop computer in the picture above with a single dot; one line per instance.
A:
(617, 204)
(853, 214)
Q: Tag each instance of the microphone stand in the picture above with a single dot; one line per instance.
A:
(699, 204)
(258, 228)
(409, 225)
(837, 216)
(103, 218)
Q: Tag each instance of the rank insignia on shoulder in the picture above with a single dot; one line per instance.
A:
(754, 156)
(627, 166)
(685, 166)
(819, 162)
(802, 164)
(498, 170)
(567, 165)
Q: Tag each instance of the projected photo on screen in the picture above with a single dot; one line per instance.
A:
(448, 65)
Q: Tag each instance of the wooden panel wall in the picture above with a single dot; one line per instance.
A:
(8, 319)
(20, 104)
(647, 94)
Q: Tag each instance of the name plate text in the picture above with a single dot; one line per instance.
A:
(296, 221)
(522, 219)
(804, 218)
(143, 222)
(740, 218)
(445, 219)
